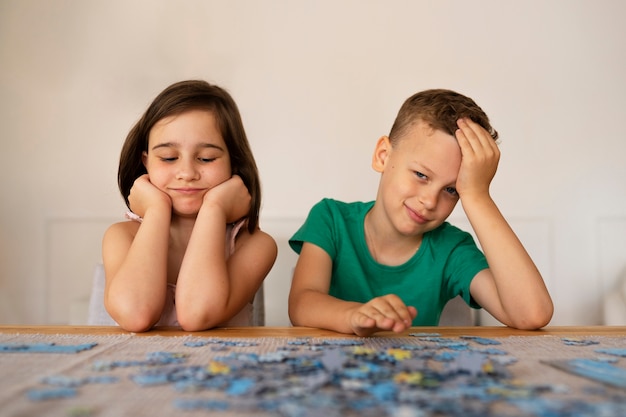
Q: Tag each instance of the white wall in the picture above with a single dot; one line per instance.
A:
(317, 83)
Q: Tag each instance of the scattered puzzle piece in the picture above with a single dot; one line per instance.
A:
(44, 348)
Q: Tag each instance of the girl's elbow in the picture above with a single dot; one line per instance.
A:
(195, 325)
(136, 322)
(136, 326)
(199, 320)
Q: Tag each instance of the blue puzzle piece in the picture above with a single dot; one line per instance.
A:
(604, 372)
(50, 393)
(45, 348)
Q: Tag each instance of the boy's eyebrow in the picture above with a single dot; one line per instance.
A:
(175, 145)
(424, 167)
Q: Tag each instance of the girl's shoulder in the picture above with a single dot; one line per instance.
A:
(243, 238)
(121, 229)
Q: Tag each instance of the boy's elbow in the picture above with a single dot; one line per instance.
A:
(295, 319)
(293, 315)
(534, 320)
(295, 311)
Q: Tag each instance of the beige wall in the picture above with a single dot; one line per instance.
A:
(317, 83)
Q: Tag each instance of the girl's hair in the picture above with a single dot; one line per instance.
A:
(179, 98)
(440, 109)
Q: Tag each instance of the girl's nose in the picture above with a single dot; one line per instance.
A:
(187, 171)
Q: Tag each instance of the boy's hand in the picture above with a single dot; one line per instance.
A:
(231, 197)
(143, 194)
(480, 156)
(382, 313)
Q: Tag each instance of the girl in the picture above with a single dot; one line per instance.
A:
(194, 255)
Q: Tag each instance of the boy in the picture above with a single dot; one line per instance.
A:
(395, 262)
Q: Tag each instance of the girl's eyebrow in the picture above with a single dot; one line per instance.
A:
(175, 145)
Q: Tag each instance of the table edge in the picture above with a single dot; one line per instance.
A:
(286, 331)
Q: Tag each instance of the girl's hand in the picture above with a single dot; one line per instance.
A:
(480, 156)
(231, 197)
(144, 195)
(382, 313)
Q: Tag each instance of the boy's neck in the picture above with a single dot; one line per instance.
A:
(386, 245)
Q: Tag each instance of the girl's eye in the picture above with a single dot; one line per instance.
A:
(168, 159)
(207, 160)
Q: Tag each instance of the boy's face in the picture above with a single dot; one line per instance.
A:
(419, 173)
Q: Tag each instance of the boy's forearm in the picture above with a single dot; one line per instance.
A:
(315, 309)
(519, 283)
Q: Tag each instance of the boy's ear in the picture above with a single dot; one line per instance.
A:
(381, 153)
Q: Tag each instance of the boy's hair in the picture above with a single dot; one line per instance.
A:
(440, 109)
(179, 98)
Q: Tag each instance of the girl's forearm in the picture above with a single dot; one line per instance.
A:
(136, 292)
(203, 290)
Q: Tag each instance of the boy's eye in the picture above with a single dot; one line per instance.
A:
(420, 175)
(452, 191)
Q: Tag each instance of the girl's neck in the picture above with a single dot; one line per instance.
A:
(181, 227)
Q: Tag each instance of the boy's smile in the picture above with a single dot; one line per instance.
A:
(418, 175)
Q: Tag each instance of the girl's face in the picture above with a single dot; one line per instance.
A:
(419, 173)
(187, 157)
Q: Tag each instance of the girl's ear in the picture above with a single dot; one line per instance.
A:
(144, 158)
(381, 153)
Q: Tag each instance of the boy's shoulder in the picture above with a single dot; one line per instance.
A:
(449, 234)
(342, 207)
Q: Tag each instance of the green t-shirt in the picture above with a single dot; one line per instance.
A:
(442, 268)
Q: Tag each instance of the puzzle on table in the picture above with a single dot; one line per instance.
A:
(417, 376)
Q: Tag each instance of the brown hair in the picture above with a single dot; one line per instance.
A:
(440, 109)
(179, 98)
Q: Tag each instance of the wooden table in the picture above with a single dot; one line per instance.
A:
(483, 331)
(112, 352)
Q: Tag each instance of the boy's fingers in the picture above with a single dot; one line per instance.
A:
(398, 310)
(385, 323)
(475, 135)
(364, 321)
(362, 325)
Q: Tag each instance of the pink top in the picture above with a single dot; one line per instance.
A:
(169, 318)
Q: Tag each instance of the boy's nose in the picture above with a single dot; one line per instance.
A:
(428, 198)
